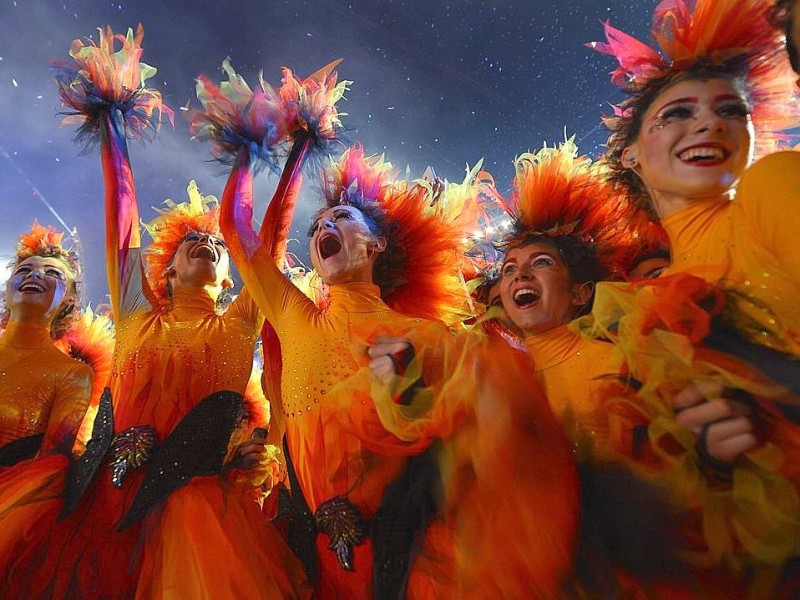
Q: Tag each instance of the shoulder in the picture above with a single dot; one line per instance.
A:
(775, 174)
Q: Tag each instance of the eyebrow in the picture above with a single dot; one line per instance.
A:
(677, 101)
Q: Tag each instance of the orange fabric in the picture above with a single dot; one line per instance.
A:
(321, 349)
(167, 360)
(41, 389)
(750, 245)
(511, 500)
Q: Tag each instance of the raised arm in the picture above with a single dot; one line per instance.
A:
(104, 92)
(122, 212)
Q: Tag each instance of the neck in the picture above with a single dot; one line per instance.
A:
(666, 204)
(212, 290)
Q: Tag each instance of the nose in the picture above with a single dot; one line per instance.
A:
(35, 273)
(709, 120)
(523, 272)
(328, 224)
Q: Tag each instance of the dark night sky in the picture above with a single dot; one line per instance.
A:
(435, 82)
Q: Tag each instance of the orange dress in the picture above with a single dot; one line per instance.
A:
(508, 524)
(320, 349)
(573, 370)
(750, 245)
(43, 393)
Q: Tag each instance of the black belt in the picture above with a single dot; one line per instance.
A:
(196, 447)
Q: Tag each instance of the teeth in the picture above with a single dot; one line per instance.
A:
(702, 152)
(26, 287)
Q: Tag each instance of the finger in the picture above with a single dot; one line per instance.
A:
(696, 393)
(729, 428)
(710, 412)
(733, 447)
(384, 349)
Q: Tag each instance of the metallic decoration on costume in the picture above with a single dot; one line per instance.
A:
(130, 449)
(342, 522)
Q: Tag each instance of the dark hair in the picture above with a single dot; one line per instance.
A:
(627, 124)
(782, 19)
(579, 257)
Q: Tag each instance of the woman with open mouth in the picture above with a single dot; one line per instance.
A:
(151, 509)
(682, 141)
(389, 267)
(46, 392)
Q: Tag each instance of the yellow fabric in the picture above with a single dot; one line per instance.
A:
(320, 349)
(572, 370)
(750, 245)
(41, 389)
(756, 517)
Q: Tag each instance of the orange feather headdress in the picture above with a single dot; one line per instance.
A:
(559, 194)
(170, 228)
(46, 241)
(715, 38)
(419, 273)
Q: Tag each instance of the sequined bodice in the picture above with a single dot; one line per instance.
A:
(167, 360)
(41, 389)
(721, 242)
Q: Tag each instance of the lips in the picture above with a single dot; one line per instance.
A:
(524, 297)
(328, 245)
(704, 154)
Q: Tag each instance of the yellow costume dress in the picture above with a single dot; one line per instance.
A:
(44, 397)
(749, 245)
(320, 349)
(43, 392)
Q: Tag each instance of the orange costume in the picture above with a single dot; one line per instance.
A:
(749, 245)
(163, 521)
(572, 370)
(341, 477)
(43, 392)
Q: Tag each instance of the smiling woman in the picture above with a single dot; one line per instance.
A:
(682, 142)
(151, 500)
(45, 393)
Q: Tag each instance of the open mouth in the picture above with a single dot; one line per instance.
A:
(704, 155)
(205, 251)
(32, 286)
(328, 246)
(525, 297)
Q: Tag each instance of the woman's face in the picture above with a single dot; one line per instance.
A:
(343, 248)
(695, 141)
(536, 289)
(200, 260)
(37, 288)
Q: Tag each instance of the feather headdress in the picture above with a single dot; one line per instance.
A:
(558, 194)
(419, 273)
(99, 78)
(46, 241)
(710, 38)
(170, 228)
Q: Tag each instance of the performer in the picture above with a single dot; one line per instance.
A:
(681, 142)
(388, 269)
(45, 393)
(164, 519)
